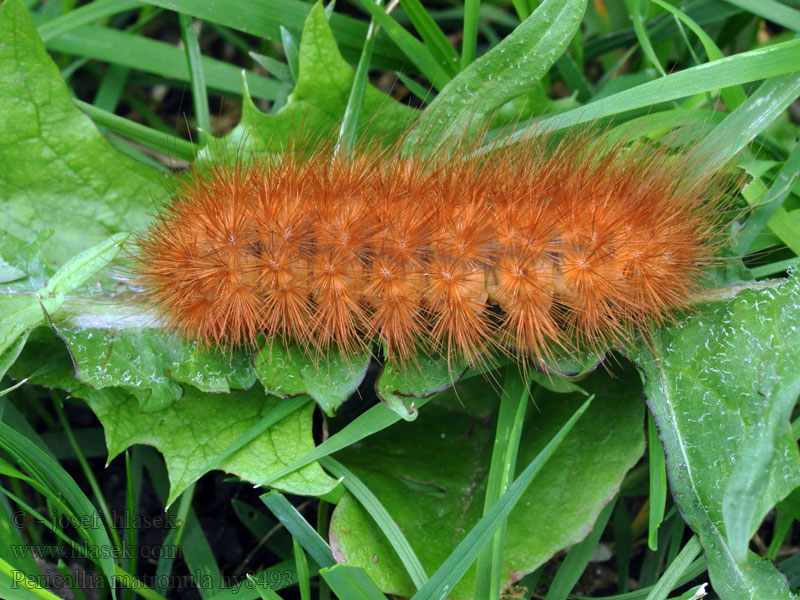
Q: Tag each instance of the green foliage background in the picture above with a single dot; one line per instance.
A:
(424, 467)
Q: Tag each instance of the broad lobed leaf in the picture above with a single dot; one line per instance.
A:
(721, 384)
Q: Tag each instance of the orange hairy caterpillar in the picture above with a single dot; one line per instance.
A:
(538, 250)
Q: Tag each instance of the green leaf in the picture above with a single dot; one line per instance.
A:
(329, 380)
(9, 272)
(79, 269)
(58, 171)
(431, 475)
(21, 313)
(400, 386)
(503, 73)
(24, 310)
(721, 384)
(192, 433)
(26, 256)
(317, 104)
(111, 346)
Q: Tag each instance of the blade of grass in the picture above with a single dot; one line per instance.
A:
(661, 27)
(750, 118)
(415, 88)
(781, 222)
(172, 145)
(654, 560)
(111, 88)
(151, 56)
(676, 540)
(54, 507)
(276, 68)
(238, 41)
(578, 558)
(69, 578)
(782, 527)
(84, 15)
(432, 35)
(416, 51)
(470, 37)
(294, 522)
(658, 482)
(291, 50)
(754, 65)
(522, 9)
(352, 583)
(264, 592)
(454, 567)
(352, 112)
(375, 419)
(772, 11)
(276, 577)
(21, 581)
(635, 13)
(733, 96)
(623, 539)
(136, 585)
(778, 191)
(510, 419)
(773, 268)
(87, 471)
(194, 60)
(574, 78)
(52, 477)
(693, 572)
(381, 517)
(323, 525)
(170, 548)
(263, 18)
(303, 578)
(196, 550)
(133, 481)
(676, 570)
